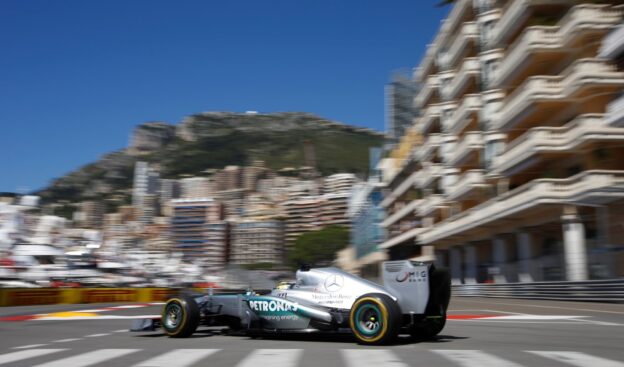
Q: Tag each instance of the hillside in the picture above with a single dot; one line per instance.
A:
(215, 140)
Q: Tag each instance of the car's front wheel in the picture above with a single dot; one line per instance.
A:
(180, 317)
(375, 318)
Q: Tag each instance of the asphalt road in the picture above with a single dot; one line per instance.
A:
(481, 332)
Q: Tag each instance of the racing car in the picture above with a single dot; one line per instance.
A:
(414, 300)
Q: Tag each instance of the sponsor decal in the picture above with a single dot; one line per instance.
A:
(108, 295)
(334, 283)
(34, 297)
(272, 306)
(332, 299)
(412, 276)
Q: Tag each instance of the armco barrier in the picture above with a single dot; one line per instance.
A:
(591, 291)
(45, 296)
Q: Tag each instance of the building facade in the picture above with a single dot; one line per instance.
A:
(257, 241)
(516, 174)
(200, 232)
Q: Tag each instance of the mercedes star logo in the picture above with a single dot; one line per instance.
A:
(334, 283)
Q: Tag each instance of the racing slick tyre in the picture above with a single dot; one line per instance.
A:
(435, 314)
(180, 316)
(375, 318)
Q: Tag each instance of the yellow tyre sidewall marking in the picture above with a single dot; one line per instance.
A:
(384, 315)
(184, 316)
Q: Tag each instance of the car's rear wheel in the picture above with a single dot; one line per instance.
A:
(180, 317)
(375, 319)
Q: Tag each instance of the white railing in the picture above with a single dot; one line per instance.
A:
(557, 38)
(426, 91)
(429, 204)
(588, 16)
(399, 214)
(469, 68)
(467, 181)
(565, 138)
(400, 190)
(431, 114)
(433, 141)
(533, 37)
(472, 140)
(430, 173)
(513, 17)
(537, 192)
(459, 119)
(468, 33)
(560, 87)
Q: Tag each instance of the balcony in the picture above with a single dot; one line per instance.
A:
(469, 181)
(401, 213)
(544, 40)
(589, 187)
(400, 190)
(424, 151)
(540, 47)
(429, 174)
(431, 114)
(468, 34)
(567, 139)
(545, 94)
(427, 91)
(464, 114)
(471, 143)
(515, 16)
(429, 204)
(470, 69)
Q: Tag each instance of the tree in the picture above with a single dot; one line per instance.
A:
(318, 248)
(445, 2)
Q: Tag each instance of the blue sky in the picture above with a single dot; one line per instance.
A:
(77, 76)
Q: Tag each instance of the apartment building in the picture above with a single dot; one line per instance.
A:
(257, 241)
(200, 232)
(513, 170)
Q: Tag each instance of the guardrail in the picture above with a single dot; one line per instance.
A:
(591, 291)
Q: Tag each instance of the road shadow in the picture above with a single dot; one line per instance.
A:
(349, 338)
(440, 339)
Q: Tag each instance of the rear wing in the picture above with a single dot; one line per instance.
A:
(409, 282)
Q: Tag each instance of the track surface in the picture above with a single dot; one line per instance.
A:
(515, 333)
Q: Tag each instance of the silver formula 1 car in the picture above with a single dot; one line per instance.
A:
(414, 300)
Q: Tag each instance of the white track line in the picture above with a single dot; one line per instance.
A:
(272, 358)
(96, 335)
(29, 346)
(66, 340)
(178, 358)
(90, 358)
(471, 358)
(371, 358)
(577, 359)
(25, 354)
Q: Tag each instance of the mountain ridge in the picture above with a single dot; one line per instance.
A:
(209, 140)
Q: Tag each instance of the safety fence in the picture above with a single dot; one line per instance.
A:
(45, 296)
(591, 291)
